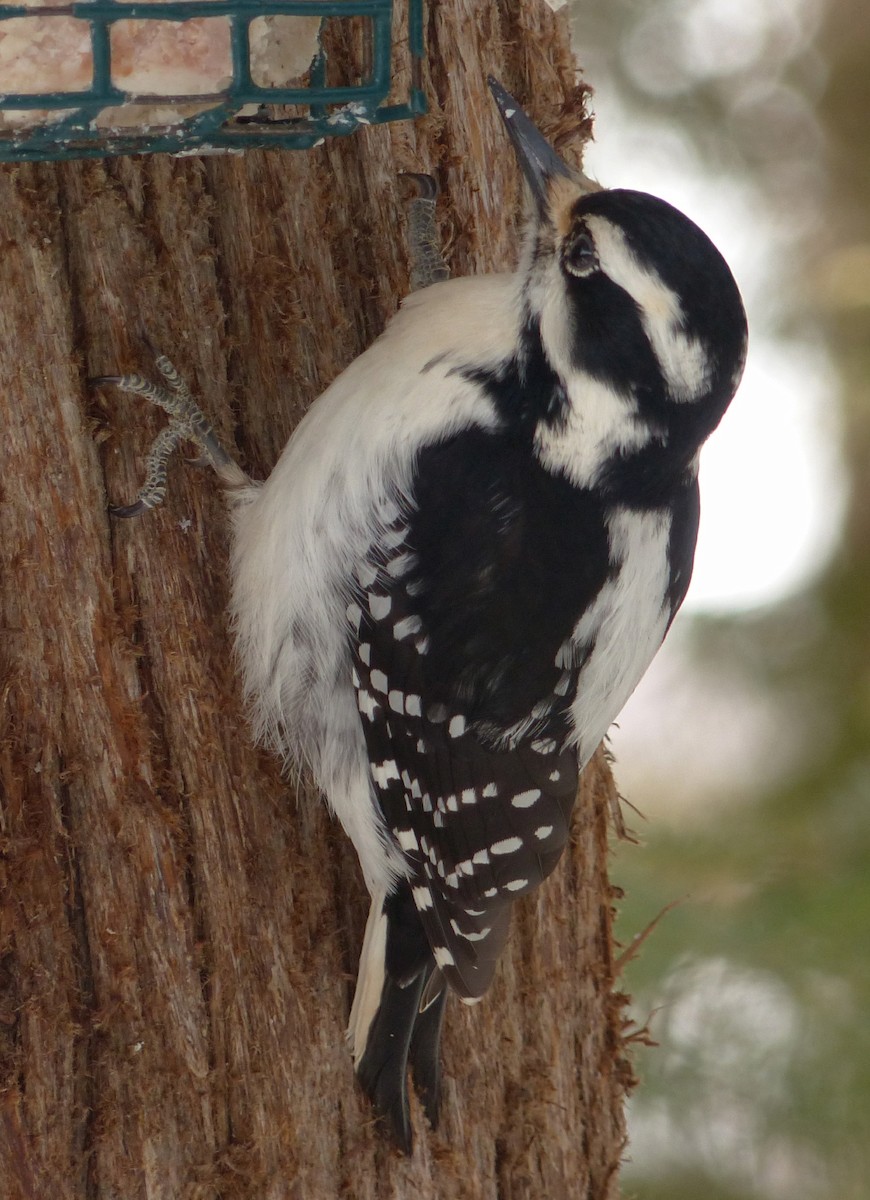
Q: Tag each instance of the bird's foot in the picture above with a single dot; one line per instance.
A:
(187, 423)
(424, 243)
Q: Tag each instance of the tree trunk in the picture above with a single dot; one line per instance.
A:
(179, 935)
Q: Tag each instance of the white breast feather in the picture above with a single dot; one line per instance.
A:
(625, 626)
(298, 537)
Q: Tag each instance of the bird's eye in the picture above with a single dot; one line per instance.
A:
(578, 254)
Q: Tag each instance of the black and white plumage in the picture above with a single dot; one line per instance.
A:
(463, 563)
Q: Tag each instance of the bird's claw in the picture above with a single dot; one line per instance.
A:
(187, 422)
(424, 243)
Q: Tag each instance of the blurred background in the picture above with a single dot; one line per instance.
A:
(747, 747)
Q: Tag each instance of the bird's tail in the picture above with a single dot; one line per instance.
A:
(396, 1017)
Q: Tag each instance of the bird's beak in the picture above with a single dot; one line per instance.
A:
(539, 161)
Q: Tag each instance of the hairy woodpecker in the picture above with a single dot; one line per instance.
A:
(465, 560)
(467, 556)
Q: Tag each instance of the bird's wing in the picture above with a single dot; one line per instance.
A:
(463, 700)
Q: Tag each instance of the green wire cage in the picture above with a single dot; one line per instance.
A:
(347, 62)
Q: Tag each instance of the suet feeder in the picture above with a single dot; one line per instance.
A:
(101, 77)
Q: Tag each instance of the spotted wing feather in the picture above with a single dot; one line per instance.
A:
(467, 725)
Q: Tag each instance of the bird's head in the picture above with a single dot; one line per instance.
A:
(622, 290)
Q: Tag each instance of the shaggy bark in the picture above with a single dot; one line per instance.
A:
(178, 936)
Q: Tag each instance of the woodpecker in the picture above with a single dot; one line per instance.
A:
(464, 561)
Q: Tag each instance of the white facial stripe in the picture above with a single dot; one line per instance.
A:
(599, 423)
(683, 359)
